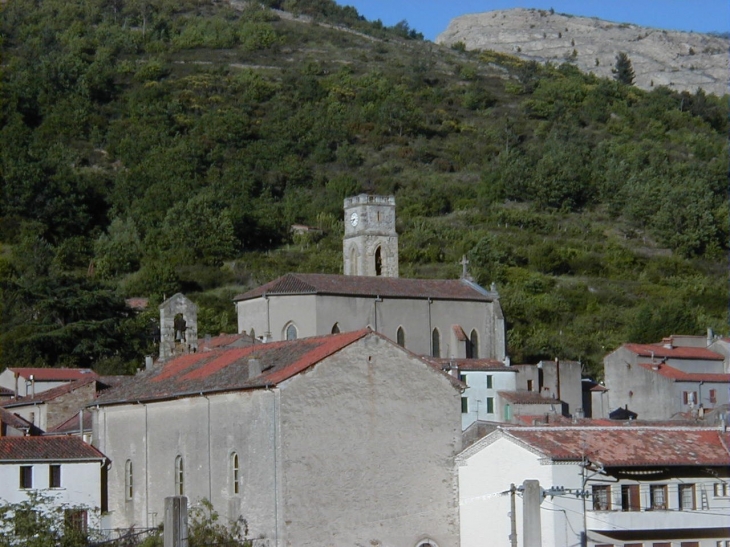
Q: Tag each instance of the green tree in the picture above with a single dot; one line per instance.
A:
(622, 70)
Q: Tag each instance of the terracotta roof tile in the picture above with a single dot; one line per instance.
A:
(527, 398)
(660, 351)
(682, 376)
(387, 287)
(61, 448)
(13, 420)
(476, 365)
(72, 425)
(227, 369)
(51, 394)
(627, 446)
(5, 392)
(54, 374)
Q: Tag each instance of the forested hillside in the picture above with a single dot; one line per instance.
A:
(151, 146)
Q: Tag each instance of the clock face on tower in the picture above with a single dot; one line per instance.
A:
(353, 219)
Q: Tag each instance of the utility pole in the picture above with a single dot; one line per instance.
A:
(531, 525)
(513, 516)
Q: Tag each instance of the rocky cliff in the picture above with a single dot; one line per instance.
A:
(679, 60)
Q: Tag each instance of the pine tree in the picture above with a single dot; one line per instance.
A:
(622, 70)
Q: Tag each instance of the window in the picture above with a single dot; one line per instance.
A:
(235, 473)
(464, 405)
(179, 477)
(687, 497)
(472, 346)
(489, 381)
(378, 262)
(658, 496)
(490, 405)
(336, 328)
(721, 489)
(689, 397)
(529, 385)
(662, 544)
(75, 520)
(690, 544)
(462, 378)
(291, 332)
(507, 412)
(630, 497)
(400, 337)
(435, 343)
(128, 480)
(26, 476)
(54, 476)
(601, 497)
(713, 396)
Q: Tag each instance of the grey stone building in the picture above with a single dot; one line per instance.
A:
(436, 317)
(335, 440)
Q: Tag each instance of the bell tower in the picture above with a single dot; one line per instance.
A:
(370, 246)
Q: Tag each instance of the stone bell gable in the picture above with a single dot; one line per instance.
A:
(178, 326)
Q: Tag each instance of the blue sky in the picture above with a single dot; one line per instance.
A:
(431, 17)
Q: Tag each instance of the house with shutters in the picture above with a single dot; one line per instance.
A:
(682, 375)
(653, 486)
(344, 439)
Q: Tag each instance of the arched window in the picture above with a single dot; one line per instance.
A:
(378, 262)
(179, 477)
(473, 345)
(400, 337)
(435, 343)
(291, 332)
(128, 480)
(235, 473)
(336, 328)
(353, 261)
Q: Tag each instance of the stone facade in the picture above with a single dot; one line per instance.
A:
(370, 246)
(357, 449)
(178, 326)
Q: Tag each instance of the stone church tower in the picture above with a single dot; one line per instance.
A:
(370, 246)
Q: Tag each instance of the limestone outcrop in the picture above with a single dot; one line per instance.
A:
(679, 60)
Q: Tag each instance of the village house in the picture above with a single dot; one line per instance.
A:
(681, 375)
(29, 381)
(336, 440)
(621, 485)
(70, 473)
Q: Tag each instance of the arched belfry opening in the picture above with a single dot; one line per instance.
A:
(370, 245)
(178, 326)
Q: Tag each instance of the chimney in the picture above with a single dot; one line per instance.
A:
(667, 343)
(710, 336)
(32, 385)
(148, 362)
(254, 368)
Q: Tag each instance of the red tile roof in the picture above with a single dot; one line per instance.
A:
(524, 397)
(5, 392)
(475, 365)
(386, 287)
(50, 394)
(681, 376)
(58, 449)
(227, 369)
(14, 421)
(54, 374)
(72, 425)
(627, 446)
(659, 351)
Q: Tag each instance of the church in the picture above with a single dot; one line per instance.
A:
(444, 318)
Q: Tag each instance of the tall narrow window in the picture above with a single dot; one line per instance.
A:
(54, 476)
(378, 262)
(179, 477)
(630, 497)
(474, 343)
(713, 396)
(75, 520)
(400, 337)
(687, 497)
(435, 343)
(235, 473)
(26, 476)
(490, 405)
(291, 332)
(601, 495)
(489, 381)
(658, 493)
(353, 261)
(128, 480)
(464, 405)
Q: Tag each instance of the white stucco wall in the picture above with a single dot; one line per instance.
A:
(477, 393)
(80, 483)
(370, 461)
(25, 388)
